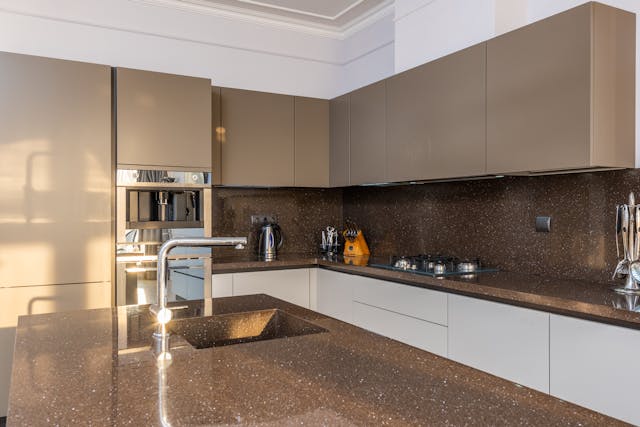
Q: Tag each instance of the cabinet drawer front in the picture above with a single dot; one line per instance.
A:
(593, 365)
(334, 294)
(222, 285)
(510, 342)
(288, 285)
(411, 301)
(417, 333)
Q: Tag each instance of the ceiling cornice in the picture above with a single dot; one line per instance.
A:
(381, 11)
(303, 12)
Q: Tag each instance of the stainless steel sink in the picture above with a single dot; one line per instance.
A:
(237, 328)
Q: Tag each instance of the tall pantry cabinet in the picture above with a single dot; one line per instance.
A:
(55, 192)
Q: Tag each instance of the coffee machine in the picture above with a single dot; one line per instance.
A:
(152, 207)
(271, 239)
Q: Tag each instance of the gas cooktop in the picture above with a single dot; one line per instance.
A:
(436, 265)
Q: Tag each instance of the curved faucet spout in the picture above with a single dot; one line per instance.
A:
(160, 310)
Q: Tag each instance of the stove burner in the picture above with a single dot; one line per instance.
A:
(436, 265)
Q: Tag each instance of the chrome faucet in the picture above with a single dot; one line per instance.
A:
(160, 310)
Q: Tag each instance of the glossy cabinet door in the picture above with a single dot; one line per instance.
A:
(339, 141)
(334, 294)
(590, 366)
(409, 314)
(222, 285)
(311, 151)
(427, 336)
(436, 119)
(288, 285)
(258, 145)
(163, 120)
(411, 301)
(56, 171)
(217, 133)
(507, 341)
(367, 135)
(559, 93)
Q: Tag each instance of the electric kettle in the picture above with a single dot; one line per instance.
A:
(270, 241)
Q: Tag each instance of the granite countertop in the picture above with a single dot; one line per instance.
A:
(577, 298)
(95, 367)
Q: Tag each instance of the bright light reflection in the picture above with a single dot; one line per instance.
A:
(142, 296)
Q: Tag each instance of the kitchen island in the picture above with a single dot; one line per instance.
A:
(95, 367)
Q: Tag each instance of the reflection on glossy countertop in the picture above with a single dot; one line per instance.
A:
(100, 367)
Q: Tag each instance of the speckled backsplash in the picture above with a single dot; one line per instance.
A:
(494, 220)
(301, 213)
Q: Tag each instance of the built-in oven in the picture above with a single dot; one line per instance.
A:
(154, 206)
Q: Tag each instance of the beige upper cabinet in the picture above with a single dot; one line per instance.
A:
(436, 119)
(561, 93)
(163, 121)
(258, 144)
(339, 141)
(218, 135)
(56, 172)
(311, 142)
(367, 127)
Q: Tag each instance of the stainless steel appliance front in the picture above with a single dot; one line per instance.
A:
(152, 207)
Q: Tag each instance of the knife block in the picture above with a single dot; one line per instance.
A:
(355, 247)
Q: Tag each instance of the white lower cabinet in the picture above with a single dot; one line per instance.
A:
(595, 365)
(288, 285)
(334, 294)
(409, 314)
(222, 285)
(408, 300)
(409, 330)
(186, 286)
(507, 341)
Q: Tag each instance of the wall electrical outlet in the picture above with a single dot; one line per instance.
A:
(263, 219)
(543, 224)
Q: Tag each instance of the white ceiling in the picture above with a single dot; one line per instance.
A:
(334, 17)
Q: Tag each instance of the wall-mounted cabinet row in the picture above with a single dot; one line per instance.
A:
(556, 95)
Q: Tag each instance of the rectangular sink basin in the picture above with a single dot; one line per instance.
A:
(237, 328)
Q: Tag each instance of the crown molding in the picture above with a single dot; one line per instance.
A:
(386, 8)
(302, 12)
(343, 62)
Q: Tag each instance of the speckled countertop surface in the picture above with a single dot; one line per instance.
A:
(94, 367)
(583, 299)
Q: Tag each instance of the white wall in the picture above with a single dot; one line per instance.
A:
(428, 29)
(367, 56)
